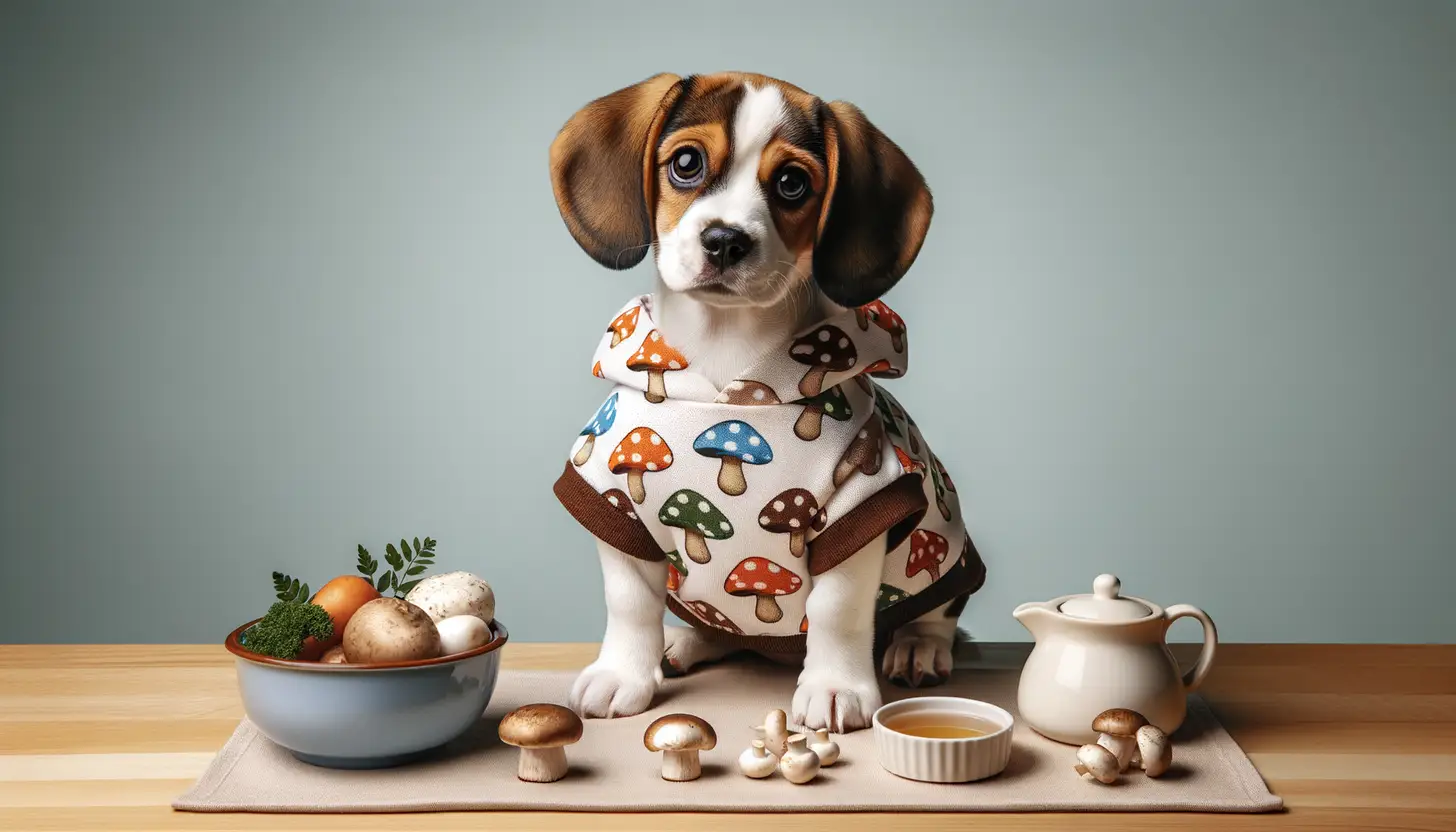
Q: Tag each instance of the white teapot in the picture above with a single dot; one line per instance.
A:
(1105, 650)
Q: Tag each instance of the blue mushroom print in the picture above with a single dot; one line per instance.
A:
(600, 424)
(734, 443)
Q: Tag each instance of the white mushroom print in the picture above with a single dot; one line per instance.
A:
(640, 451)
(765, 580)
(698, 518)
(825, 350)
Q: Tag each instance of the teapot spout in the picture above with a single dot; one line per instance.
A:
(1033, 615)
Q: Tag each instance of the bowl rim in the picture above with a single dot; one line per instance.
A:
(498, 631)
(928, 703)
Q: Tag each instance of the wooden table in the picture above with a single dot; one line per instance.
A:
(104, 737)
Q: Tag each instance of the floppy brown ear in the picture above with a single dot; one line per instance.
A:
(603, 170)
(876, 210)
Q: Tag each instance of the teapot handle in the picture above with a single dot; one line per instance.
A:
(1194, 677)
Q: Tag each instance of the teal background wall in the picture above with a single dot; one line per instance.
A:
(279, 278)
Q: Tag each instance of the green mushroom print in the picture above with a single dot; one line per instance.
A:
(825, 350)
(733, 443)
(676, 571)
(889, 595)
(937, 476)
(699, 519)
(600, 424)
(831, 403)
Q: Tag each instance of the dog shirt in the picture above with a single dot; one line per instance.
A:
(753, 490)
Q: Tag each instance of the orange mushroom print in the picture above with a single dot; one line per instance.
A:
(885, 318)
(655, 358)
(597, 370)
(676, 571)
(765, 580)
(794, 512)
(624, 325)
(908, 464)
(928, 551)
(825, 350)
(640, 452)
(804, 625)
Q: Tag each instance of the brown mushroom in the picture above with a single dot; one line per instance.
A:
(928, 551)
(640, 451)
(825, 350)
(680, 737)
(655, 358)
(765, 580)
(746, 392)
(624, 325)
(831, 403)
(863, 454)
(885, 318)
(620, 501)
(1118, 728)
(793, 512)
(542, 732)
(710, 615)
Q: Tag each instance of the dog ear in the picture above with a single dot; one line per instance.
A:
(876, 209)
(603, 170)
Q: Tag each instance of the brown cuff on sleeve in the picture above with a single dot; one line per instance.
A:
(897, 509)
(609, 524)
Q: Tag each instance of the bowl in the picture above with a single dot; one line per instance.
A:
(366, 716)
(935, 760)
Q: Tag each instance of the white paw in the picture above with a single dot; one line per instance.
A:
(917, 660)
(605, 690)
(841, 704)
(686, 647)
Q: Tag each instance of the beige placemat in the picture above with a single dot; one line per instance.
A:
(612, 772)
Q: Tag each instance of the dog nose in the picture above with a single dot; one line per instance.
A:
(725, 245)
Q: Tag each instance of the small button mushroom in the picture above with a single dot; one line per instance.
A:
(334, 655)
(774, 732)
(799, 764)
(460, 633)
(756, 762)
(1155, 750)
(542, 732)
(454, 593)
(1119, 727)
(390, 630)
(827, 749)
(1098, 762)
(680, 737)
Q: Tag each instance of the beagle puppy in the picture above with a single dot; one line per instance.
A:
(748, 471)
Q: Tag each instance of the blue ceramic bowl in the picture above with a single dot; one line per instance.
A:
(366, 716)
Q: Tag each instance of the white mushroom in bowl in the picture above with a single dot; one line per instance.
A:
(460, 633)
(454, 593)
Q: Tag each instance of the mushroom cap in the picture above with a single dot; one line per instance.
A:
(884, 317)
(710, 615)
(626, 323)
(1099, 762)
(828, 347)
(641, 450)
(831, 403)
(883, 369)
(679, 732)
(656, 354)
(605, 416)
(747, 392)
(1119, 722)
(1155, 749)
(621, 502)
(540, 726)
(761, 576)
(736, 439)
(926, 548)
(687, 509)
(794, 510)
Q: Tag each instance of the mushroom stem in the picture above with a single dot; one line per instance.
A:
(767, 609)
(1121, 747)
(542, 765)
(634, 487)
(585, 451)
(813, 382)
(680, 766)
(810, 424)
(695, 547)
(796, 544)
(656, 390)
(730, 477)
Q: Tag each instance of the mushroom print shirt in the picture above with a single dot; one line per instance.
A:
(751, 491)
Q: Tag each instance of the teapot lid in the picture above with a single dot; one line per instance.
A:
(1105, 604)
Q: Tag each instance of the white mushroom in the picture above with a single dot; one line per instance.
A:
(680, 737)
(460, 633)
(756, 762)
(1155, 750)
(799, 765)
(1119, 727)
(827, 749)
(542, 732)
(454, 593)
(774, 732)
(1098, 762)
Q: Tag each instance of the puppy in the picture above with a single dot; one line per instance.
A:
(746, 471)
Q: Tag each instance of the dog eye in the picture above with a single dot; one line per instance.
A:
(791, 184)
(686, 168)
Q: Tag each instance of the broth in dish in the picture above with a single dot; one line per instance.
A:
(941, 725)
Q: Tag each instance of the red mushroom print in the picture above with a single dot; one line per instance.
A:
(709, 614)
(825, 350)
(765, 580)
(927, 552)
(883, 369)
(863, 454)
(655, 358)
(862, 317)
(619, 500)
(639, 452)
(908, 464)
(624, 325)
(676, 571)
(793, 512)
(885, 318)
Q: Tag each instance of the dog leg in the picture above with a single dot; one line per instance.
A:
(687, 647)
(623, 679)
(838, 688)
(919, 654)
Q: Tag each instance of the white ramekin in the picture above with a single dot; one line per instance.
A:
(943, 760)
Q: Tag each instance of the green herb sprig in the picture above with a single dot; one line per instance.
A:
(288, 589)
(404, 563)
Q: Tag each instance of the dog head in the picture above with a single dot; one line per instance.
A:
(744, 186)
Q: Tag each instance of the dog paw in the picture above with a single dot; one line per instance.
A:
(687, 647)
(604, 690)
(838, 704)
(917, 660)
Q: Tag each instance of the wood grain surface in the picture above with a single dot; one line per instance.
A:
(1353, 737)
